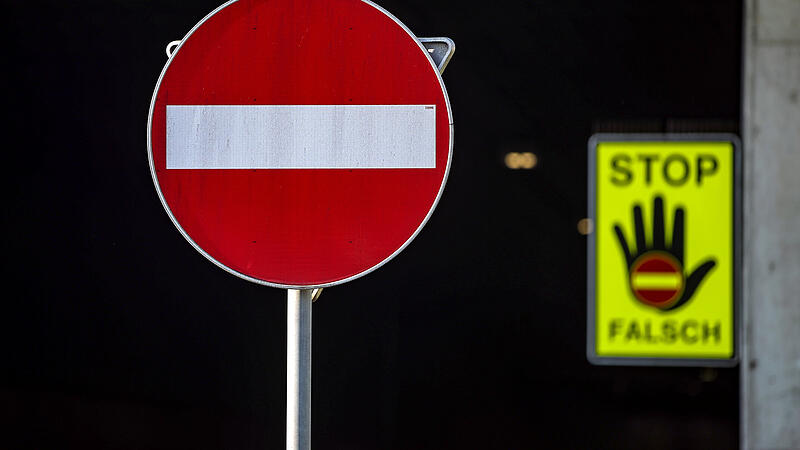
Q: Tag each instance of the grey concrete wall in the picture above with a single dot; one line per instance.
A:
(771, 134)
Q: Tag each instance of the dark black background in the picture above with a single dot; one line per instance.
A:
(117, 334)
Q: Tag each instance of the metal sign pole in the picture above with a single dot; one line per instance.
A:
(298, 369)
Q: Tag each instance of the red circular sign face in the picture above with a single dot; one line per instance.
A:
(300, 144)
(657, 279)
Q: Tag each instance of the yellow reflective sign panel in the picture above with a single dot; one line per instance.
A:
(663, 260)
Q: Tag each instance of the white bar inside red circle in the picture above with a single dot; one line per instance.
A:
(301, 136)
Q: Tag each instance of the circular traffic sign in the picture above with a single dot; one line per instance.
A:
(300, 144)
(657, 279)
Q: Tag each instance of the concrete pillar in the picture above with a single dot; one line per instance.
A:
(770, 365)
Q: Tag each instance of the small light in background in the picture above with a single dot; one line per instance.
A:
(585, 226)
(523, 160)
(708, 375)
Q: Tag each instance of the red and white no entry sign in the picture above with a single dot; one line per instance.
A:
(300, 144)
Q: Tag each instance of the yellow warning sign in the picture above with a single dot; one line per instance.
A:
(663, 258)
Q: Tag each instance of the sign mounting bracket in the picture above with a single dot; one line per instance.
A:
(440, 49)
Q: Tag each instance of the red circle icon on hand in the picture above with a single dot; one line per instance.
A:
(657, 279)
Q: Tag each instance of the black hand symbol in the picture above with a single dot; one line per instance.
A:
(658, 254)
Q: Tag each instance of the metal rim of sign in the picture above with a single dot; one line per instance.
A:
(591, 343)
(289, 286)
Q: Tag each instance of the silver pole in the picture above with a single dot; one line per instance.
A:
(298, 369)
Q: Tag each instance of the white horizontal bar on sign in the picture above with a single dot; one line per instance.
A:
(301, 136)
